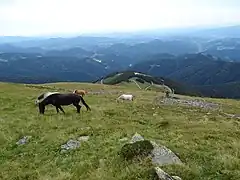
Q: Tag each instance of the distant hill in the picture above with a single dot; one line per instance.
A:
(205, 73)
(229, 90)
(202, 62)
(227, 49)
(227, 31)
(141, 51)
(66, 43)
(32, 68)
(159, 83)
(195, 69)
(17, 39)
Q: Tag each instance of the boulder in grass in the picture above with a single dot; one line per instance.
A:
(136, 149)
(160, 155)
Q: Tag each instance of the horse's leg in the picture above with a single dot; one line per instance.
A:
(41, 109)
(57, 109)
(78, 107)
(61, 109)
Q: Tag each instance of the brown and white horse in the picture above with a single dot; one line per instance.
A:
(80, 92)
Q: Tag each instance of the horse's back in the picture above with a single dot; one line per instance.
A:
(65, 99)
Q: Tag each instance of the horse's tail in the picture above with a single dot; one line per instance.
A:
(84, 103)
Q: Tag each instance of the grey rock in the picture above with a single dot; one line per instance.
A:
(136, 137)
(161, 155)
(71, 144)
(136, 149)
(23, 140)
(176, 178)
(162, 175)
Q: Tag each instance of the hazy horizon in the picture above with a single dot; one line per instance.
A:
(42, 17)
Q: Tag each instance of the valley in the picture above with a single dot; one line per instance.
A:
(205, 62)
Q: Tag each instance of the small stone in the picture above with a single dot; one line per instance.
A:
(23, 140)
(71, 144)
(136, 137)
(237, 116)
(83, 138)
(123, 139)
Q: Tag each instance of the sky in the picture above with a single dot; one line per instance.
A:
(43, 17)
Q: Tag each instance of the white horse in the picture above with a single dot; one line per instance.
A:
(126, 97)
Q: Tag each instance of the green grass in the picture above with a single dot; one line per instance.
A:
(208, 144)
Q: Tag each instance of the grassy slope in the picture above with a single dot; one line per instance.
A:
(208, 144)
(155, 87)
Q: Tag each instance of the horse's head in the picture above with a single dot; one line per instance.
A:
(42, 99)
(36, 102)
(39, 99)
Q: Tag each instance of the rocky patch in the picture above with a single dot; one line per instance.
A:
(187, 102)
(73, 144)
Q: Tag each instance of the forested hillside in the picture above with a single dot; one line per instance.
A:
(206, 61)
